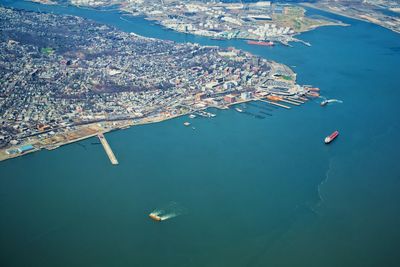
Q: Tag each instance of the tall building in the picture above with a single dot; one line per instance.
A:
(230, 98)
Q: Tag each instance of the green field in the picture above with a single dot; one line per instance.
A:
(47, 50)
(288, 78)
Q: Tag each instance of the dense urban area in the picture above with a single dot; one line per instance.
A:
(64, 78)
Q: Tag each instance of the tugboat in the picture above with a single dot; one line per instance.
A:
(331, 137)
(155, 217)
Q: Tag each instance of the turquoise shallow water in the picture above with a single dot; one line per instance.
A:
(253, 192)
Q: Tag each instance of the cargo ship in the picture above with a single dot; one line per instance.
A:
(261, 43)
(331, 137)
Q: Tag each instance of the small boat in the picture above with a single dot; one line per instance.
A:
(192, 116)
(239, 109)
(324, 103)
(312, 94)
(331, 137)
(186, 123)
(155, 217)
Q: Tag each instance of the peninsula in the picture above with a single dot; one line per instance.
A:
(385, 13)
(261, 21)
(66, 78)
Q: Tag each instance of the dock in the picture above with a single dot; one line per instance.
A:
(108, 149)
(295, 100)
(303, 98)
(290, 102)
(276, 104)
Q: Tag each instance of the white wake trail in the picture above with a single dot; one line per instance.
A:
(323, 182)
(334, 101)
(168, 216)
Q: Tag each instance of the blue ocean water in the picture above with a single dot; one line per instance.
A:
(253, 192)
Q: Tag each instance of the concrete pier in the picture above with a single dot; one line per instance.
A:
(108, 149)
(276, 104)
(290, 102)
(295, 100)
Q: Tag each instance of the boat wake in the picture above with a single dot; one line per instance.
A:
(321, 198)
(168, 216)
(334, 101)
(330, 101)
(171, 210)
(157, 212)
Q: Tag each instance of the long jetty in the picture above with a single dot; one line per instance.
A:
(108, 149)
(274, 103)
(290, 102)
(297, 100)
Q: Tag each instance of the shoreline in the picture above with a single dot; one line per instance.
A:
(125, 12)
(276, 39)
(126, 124)
(325, 9)
(90, 129)
(129, 123)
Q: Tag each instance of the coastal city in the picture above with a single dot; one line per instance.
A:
(259, 21)
(65, 78)
(182, 133)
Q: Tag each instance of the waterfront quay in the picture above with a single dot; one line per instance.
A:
(61, 88)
